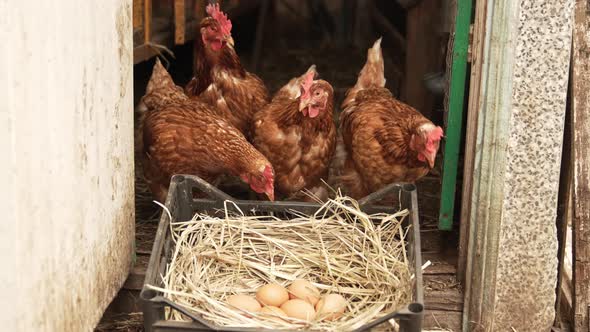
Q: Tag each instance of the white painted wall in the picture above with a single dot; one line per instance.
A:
(66, 133)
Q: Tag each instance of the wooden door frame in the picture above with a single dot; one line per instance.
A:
(581, 137)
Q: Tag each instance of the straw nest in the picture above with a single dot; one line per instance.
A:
(339, 249)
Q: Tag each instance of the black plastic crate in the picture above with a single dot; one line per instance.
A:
(182, 206)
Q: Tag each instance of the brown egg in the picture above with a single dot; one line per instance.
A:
(303, 289)
(331, 307)
(272, 294)
(299, 309)
(244, 302)
(273, 311)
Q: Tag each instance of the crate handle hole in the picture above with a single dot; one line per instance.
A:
(416, 307)
(148, 294)
(409, 187)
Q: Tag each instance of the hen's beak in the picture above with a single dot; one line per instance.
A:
(229, 40)
(303, 104)
(270, 194)
(431, 158)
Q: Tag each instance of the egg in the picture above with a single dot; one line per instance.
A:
(244, 302)
(331, 307)
(272, 294)
(273, 311)
(303, 289)
(299, 309)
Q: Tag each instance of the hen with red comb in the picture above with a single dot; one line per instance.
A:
(296, 132)
(218, 71)
(383, 140)
(221, 18)
(178, 135)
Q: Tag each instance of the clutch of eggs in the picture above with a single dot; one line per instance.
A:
(302, 300)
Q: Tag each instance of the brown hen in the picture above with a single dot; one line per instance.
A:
(383, 140)
(185, 136)
(218, 71)
(296, 132)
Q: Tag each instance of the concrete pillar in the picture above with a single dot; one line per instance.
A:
(512, 263)
(66, 130)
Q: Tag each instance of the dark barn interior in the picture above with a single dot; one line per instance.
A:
(278, 40)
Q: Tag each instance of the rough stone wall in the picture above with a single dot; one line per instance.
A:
(67, 134)
(527, 259)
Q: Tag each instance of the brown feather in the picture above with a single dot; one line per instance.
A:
(222, 71)
(182, 135)
(299, 147)
(377, 134)
(376, 130)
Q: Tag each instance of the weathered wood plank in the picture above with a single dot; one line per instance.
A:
(442, 319)
(147, 21)
(431, 241)
(142, 53)
(444, 300)
(137, 13)
(179, 21)
(477, 49)
(563, 307)
(145, 51)
(581, 136)
(441, 282)
(442, 292)
(423, 54)
(138, 37)
(441, 264)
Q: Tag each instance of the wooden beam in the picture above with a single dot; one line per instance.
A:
(137, 14)
(479, 32)
(442, 320)
(142, 53)
(564, 306)
(146, 51)
(147, 21)
(423, 54)
(179, 22)
(564, 218)
(581, 137)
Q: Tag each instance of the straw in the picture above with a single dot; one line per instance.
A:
(340, 249)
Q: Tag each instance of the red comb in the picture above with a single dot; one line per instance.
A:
(434, 136)
(268, 172)
(307, 83)
(214, 11)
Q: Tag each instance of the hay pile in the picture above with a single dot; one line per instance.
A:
(339, 249)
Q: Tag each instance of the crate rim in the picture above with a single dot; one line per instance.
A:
(151, 299)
